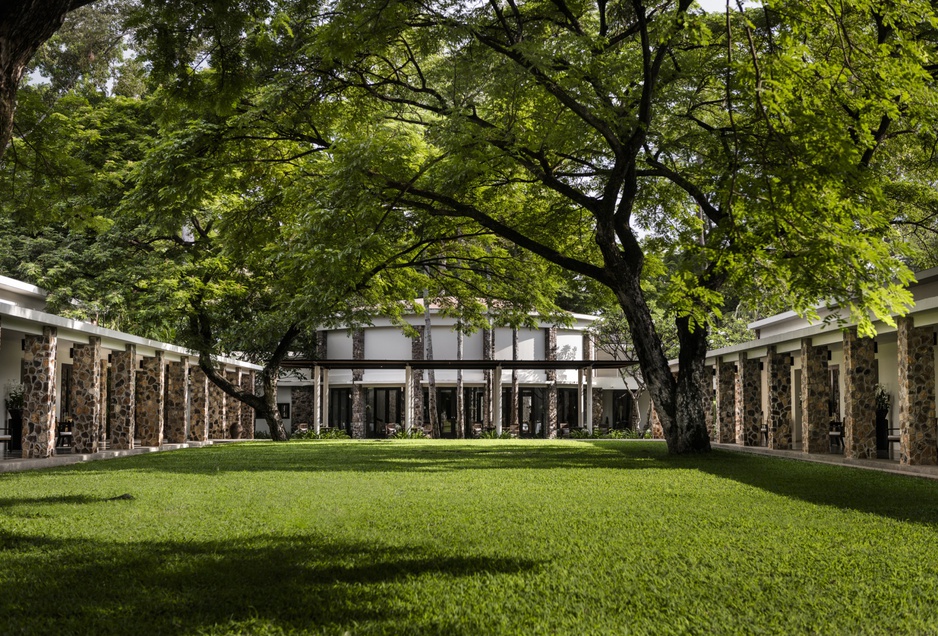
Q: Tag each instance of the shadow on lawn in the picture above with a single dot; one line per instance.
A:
(81, 586)
(390, 457)
(895, 496)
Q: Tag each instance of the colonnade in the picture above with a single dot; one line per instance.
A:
(153, 401)
(738, 415)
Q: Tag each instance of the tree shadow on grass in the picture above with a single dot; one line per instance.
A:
(50, 586)
(391, 457)
(899, 497)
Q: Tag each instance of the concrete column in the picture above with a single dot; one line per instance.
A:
(177, 402)
(247, 412)
(488, 353)
(39, 399)
(726, 401)
(749, 402)
(151, 389)
(550, 347)
(860, 378)
(86, 396)
(408, 398)
(778, 376)
(497, 399)
(198, 422)
(233, 407)
(217, 415)
(317, 399)
(123, 398)
(358, 391)
(815, 390)
(917, 425)
(514, 422)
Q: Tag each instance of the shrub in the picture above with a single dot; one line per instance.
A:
(416, 433)
(492, 434)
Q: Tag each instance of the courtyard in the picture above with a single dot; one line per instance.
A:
(473, 537)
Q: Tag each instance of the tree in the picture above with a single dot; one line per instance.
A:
(24, 26)
(743, 149)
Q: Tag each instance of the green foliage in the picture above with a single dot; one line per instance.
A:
(326, 433)
(372, 530)
(414, 433)
(883, 399)
(493, 434)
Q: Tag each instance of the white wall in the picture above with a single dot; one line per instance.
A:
(381, 343)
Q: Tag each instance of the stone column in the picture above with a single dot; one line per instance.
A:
(917, 426)
(708, 397)
(39, 399)
(815, 414)
(301, 404)
(103, 401)
(217, 415)
(550, 347)
(123, 398)
(233, 407)
(580, 412)
(749, 402)
(726, 401)
(151, 387)
(497, 399)
(408, 398)
(778, 375)
(177, 401)
(198, 422)
(247, 412)
(416, 353)
(488, 353)
(86, 396)
(317, 399)
(514, 422)
(358, 391)
(588, 389)
(860, 377)
(325, 397)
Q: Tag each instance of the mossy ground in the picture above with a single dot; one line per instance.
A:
(480, 537)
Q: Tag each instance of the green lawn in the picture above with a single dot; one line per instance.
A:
(482, 537)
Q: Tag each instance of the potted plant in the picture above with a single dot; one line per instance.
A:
(14, 400)
(883, 404)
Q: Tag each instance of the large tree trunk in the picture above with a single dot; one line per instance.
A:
(24, 26)
(678, 402)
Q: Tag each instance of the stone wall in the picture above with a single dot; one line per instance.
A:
(917, 424)
(302, 405)
(860, 379)
(151, 389)
(39, 399)
(726, 401)
(550, 347)
(199, 410)
(815, 393)
(247, 413)
(749, 402)
(778, 376)
(708, 397)
(177, 402)
(86, 396)
(123, 397)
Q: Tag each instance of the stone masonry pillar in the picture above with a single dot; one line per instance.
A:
(233, 407)
(749, 402)
(726, 401)
(123, 398)
(198, 417)
(778, 376)
(550, 346)
(177, 402)
(860, 378)
(103, 401)
(708, 397)
(217, 416)
(39, 398)
(86, 396)
(358, 391)
(151, 389)
(815, 415)
(917, 428)
(416, 353)
(247, 413)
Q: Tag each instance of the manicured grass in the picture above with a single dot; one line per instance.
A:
(483, 537)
